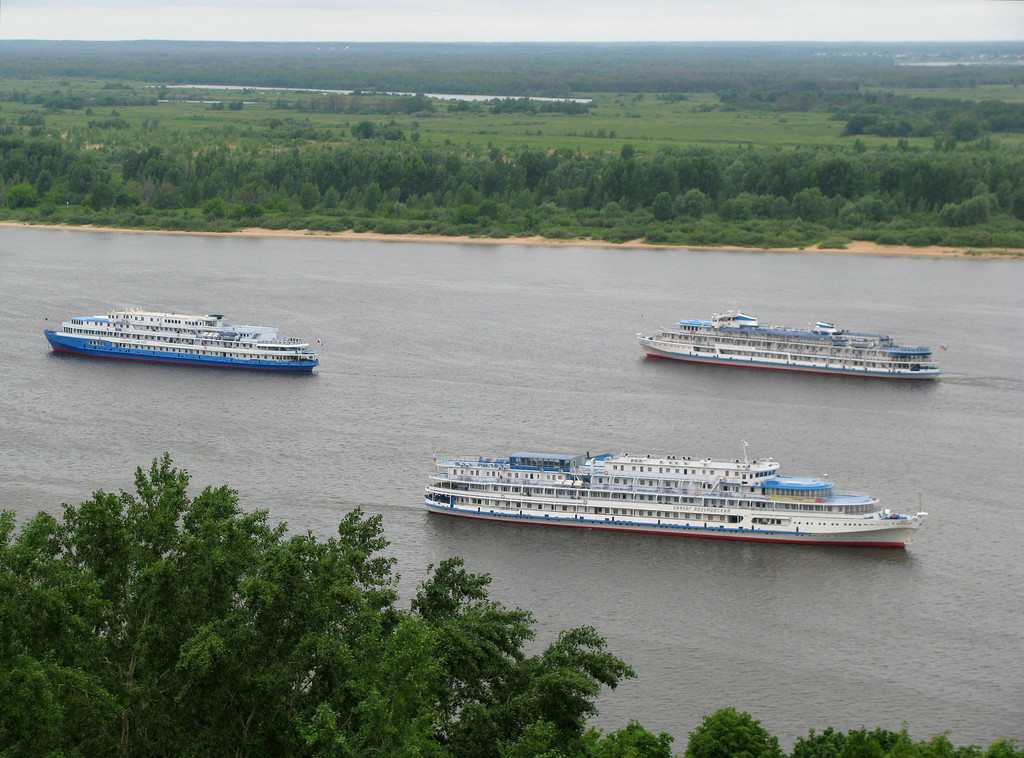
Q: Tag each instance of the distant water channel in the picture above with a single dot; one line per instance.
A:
(442, 349)
(435, 96)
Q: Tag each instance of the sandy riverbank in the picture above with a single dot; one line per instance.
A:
(851, 248)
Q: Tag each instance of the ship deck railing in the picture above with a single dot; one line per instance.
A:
(824, 350)
(233, 342)
(474, 460)
(205, 335)
(784, 351)
(860, 507)
(528, 488)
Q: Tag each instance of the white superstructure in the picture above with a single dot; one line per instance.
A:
(699, 497)
(736, 339)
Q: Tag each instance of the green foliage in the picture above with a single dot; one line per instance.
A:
(974, 211)
(53, 696)
(758, 195)
(881, 743)
(544, 699)
(214, 208)
(159, 623)
(661, 207)
(21, 196)
(855, 744)
(965, 130)
(729, 734)
(364, 130)
(632, 742)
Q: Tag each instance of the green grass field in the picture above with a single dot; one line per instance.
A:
(643, 120)
(1006, 93)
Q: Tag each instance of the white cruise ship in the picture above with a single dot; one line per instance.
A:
(191, 340)
(736, 339)
(693, 497)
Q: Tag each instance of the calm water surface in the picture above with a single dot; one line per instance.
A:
(437, 349)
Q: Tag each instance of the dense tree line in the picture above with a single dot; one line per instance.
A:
(729, 734)
(357, 103)
(62, 101)
(887, 114)
(528, 105)
(160, 623)
(289, 175)
(360, 103)
(963, 121)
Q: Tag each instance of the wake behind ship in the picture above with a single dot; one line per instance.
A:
(722, 499)
(191, 340)
(736, 339)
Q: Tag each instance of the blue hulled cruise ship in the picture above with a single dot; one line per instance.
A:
(138, 335)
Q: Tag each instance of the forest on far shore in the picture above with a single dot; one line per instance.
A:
(764, 146)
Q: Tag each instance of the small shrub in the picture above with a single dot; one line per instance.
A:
(834, 243)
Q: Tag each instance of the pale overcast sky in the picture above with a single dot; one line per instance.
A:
(513, 20)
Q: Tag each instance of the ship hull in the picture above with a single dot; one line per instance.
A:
(891, 535)
(653, 352)
(105, 349)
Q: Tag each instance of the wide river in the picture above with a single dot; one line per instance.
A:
(443, 349)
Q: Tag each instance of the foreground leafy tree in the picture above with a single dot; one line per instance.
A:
(540, 705)
(51, 693)
(158, 624)
(856, 743)
(632, 742)
(881, 743)
(729, 734)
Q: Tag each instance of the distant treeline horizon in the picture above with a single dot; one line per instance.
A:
(527, 68)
